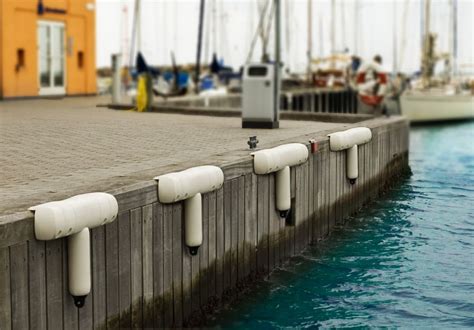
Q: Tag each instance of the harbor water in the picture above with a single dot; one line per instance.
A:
(405, 261)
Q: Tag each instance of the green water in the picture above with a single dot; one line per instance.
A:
(407, 262)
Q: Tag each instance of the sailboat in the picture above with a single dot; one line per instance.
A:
(431, 98)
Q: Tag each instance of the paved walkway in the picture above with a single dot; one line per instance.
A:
(51, 149)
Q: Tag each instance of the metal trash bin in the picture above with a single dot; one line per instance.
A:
(258, 97)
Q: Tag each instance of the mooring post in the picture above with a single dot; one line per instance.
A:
(116, 78)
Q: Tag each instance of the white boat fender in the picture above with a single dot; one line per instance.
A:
(349, 140)
(72, 218)
(279, 160)
(188, 185)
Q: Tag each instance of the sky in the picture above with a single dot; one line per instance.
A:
(391, 28)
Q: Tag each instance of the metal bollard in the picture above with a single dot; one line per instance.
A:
(116, 78)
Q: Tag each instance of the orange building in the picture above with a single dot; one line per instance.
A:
(47, 47)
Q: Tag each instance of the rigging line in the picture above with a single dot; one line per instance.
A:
(269, 25)
(257, 32)
(262, 10)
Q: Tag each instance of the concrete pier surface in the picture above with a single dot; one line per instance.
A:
(143, 276)
(51, 149)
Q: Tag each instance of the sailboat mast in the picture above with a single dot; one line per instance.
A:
(139, 26)
(277, 85)
(333, 27)
(426, 58)
(427, 17)
(310, 38)
(395, 39)
(199, 44)
(214, 27)
(356, 27)
(454, 34)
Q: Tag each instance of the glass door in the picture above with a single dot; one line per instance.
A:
(51, 61)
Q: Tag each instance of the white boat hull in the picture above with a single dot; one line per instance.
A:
(420, 106)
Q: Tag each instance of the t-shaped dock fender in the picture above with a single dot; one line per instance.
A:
(279, 160)
(349, 140)
(188, 185)
(72, 218)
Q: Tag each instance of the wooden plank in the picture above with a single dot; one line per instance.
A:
(19, 286)
(136, 263)
(227, 233)
(319, 190)
(168, 265)
(37, 284)
(326, 190)
(195, 282)
(158, 265)
(187, 281)
(311, 196)
(204, 252)
(147, 257)
(125, 292)
(251, 221)
(364, 172)
(306, 226)
(265, 225)
(315, 199)
(367, 172)
(299, 209)
(99, 279)
(5, 289)
(260, 215)
(212, 244)
(54, 284)
(234, 230)
(374, 163)
(16, 228)
(291, 232)
(177, 265)
(272, 221)
(332, 188)
(70, 312)
(346, 188)
(112, 274)
(338, 186)
(220, 242)
(282, 241)
(360, 179)
(241, 263)
(134, 196)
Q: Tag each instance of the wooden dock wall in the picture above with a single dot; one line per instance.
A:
(143, 275)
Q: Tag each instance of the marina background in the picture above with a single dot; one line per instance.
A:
(172, 26)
